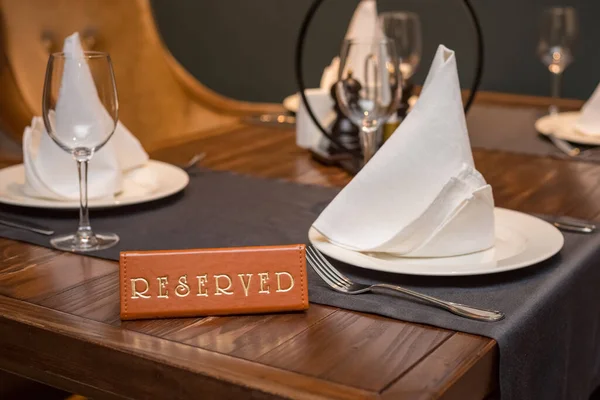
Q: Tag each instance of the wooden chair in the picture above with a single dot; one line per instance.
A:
(160, 102)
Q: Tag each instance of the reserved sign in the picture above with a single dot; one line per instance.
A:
(183, 283)
(142, 288)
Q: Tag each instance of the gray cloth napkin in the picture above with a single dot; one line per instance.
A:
(549, 342)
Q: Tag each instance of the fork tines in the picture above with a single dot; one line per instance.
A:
(325, 270)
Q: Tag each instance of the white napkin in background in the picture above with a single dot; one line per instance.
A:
(420, 195)
(330, 75)
(589, 121)
(365, 25)
(51, 172)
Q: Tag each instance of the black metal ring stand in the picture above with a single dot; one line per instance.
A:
(300, 78)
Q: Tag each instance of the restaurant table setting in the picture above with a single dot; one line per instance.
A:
(363, 26)
(577, 126)
(120, 172)
(518, 134)
(555, 133)
(428, 220)
(566, 135)
(414, 236)
(49, 171)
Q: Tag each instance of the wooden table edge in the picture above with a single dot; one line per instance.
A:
(476, 378)
(210, 370)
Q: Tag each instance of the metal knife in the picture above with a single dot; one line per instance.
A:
(25, 225)
(575, 227)
(564, 146)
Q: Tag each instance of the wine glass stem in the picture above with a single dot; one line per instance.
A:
(367, 137)
(84, 231)
(556, 80)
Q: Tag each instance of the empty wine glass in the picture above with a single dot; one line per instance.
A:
(369, 86)
(558, 33)
(404, 28)
(80, 111)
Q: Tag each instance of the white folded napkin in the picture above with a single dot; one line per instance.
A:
(420, 195)
(589, 121)
(363, 25)
(51, 173)
(330, 75)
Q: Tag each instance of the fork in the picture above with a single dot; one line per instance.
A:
(337, 281)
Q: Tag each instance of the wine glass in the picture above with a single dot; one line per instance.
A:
(369, 86)
(80, 112)
(558, 33)
(404, 28)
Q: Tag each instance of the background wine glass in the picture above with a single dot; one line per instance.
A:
(558, 33)
(80, 112)
(404, 28)
(369, 86)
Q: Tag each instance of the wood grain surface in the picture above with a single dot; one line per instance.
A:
(59, 312)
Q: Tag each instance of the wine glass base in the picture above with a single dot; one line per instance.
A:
(76, 243)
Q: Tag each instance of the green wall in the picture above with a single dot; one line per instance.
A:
(245, 48)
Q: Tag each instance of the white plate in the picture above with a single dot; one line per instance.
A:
(171, 179)
(563, 127)
(521, 240)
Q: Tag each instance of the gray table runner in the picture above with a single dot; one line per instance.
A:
(549, 342)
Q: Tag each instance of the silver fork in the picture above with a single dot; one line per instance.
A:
(340, 283)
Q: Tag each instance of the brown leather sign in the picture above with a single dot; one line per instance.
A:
(185, 283)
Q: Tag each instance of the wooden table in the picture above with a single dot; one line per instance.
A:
(59, 321)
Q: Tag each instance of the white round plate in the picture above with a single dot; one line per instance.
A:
(563, 127)
(171, 179)
(521, 240)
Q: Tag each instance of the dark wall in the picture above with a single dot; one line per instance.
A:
(245, 48)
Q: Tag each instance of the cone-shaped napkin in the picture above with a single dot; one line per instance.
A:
(420, 195)
(330, 75)
(363, 25)
(589, 121)
(50, 172)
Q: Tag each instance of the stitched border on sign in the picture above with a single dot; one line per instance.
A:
(301, 276)
(125, 283)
